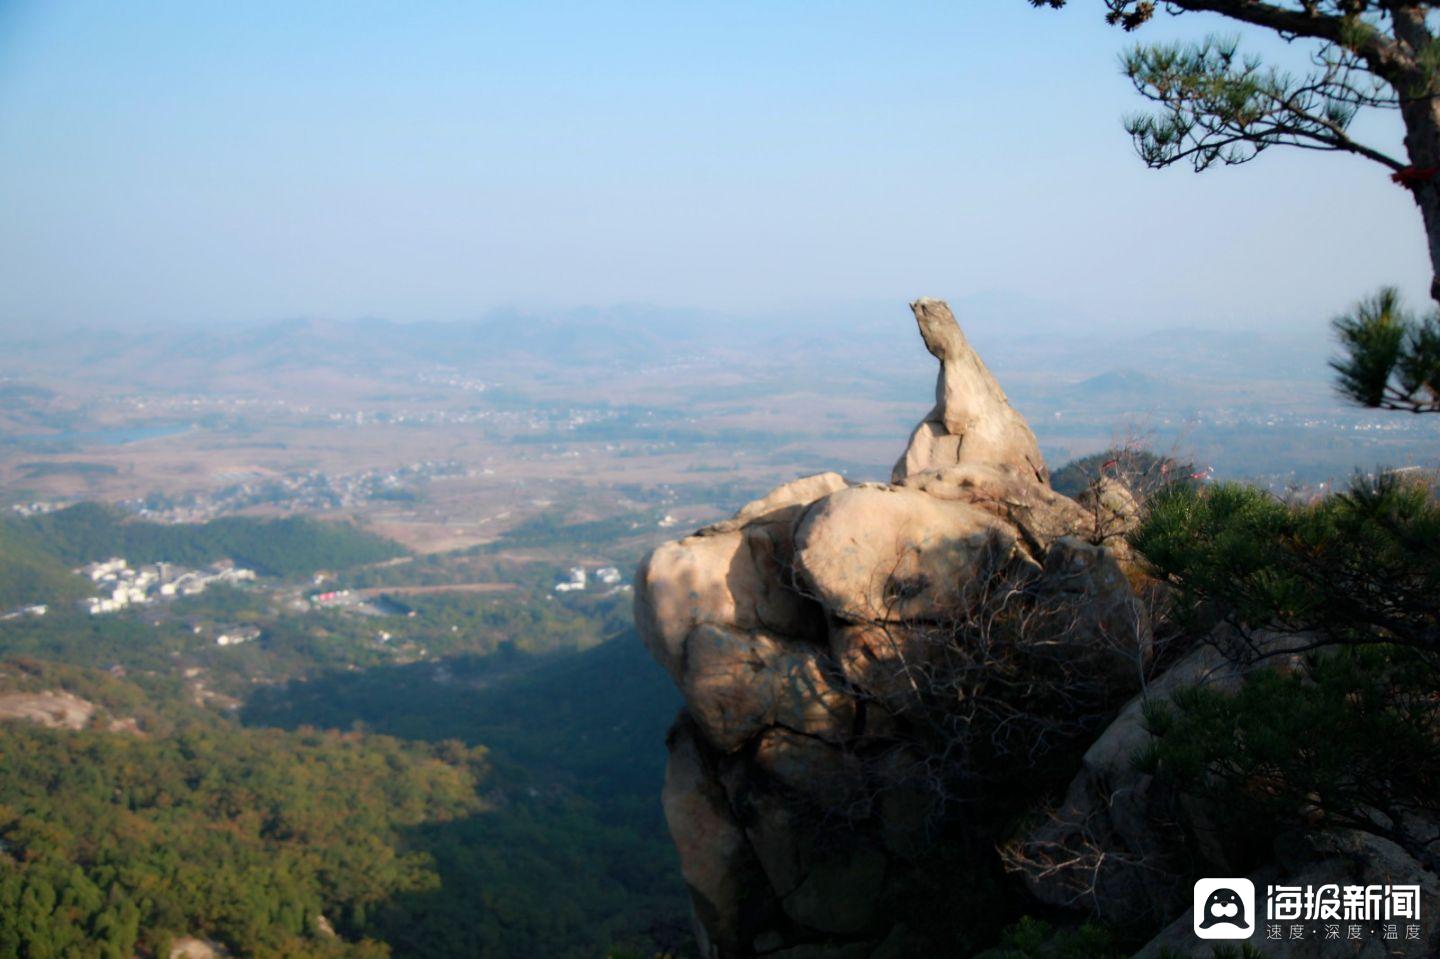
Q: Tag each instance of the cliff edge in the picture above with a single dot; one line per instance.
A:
(911, 708)
(812, 635)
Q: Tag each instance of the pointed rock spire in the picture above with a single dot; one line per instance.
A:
(972, 422)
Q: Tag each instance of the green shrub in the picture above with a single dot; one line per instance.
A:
(1032, 938)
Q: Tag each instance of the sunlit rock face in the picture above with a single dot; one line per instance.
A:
(972, 422)
(807, 632)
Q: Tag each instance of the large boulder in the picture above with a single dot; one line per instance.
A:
(888, 660)
(737, 684)
(1087, 612)
(736, 574)
(1114, 509)
(831, 883)
(814, 635)
(1112, 847)
(780, 506)
(728, 892)
(1040, 514)
(808, 634)
(883, 553)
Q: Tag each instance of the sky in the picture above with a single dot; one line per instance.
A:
(214, 162)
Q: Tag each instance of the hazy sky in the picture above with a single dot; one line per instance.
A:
(219, 162)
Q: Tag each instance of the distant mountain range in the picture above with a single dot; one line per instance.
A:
(1014, 334)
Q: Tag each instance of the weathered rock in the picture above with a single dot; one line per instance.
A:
(827, 882)
(1114, 847)
(190, 947)
(1037, 511)
(735, 573)
(811, 767)
(906, 806)
(728, 891)
(60, 710)
(736, 684)
(972, 421)
(737, 578)
(805, 633)
(1113, 508)
(1090, 614)
(878, 553)
(813, 636)
(778, 505)
(886, 660)
(840, 892)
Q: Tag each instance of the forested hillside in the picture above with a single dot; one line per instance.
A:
(32, 573)
(420, 778)
(89, 532)
(161, 818)
(576, 858)
(177, 822)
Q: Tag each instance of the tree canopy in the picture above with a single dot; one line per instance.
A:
(1217, 105)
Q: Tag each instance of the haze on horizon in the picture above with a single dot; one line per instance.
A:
(168, 162)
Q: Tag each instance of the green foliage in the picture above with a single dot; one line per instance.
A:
(89, 532)
(1358, 567)
(1345, 736)
(30, 573)
(1032, 938)
(565, 854)
(575, 856)
(453, 622)
(1346, 742)
(570, 856)
(1132, 466)
(1392, 358)
(112, 843)
(1217, 106)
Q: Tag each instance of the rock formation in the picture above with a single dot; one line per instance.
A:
(972, 422)
(806, 634)
(60, 710)
(880, 678)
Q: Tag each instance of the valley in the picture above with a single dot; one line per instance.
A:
(428, 558)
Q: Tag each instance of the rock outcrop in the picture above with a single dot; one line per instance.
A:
(57, 710)
(972, 422)
(817, 637)
(914, 707)
(1113, 847)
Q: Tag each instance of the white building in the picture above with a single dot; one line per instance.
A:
(577, 581)
(126, 586)
(98, 605)
(108, 570)
(234, 637)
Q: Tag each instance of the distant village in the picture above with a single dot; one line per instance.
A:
(298, 492)
(123, 586)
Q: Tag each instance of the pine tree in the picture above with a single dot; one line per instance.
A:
(1392, 358)
(1216, 105)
